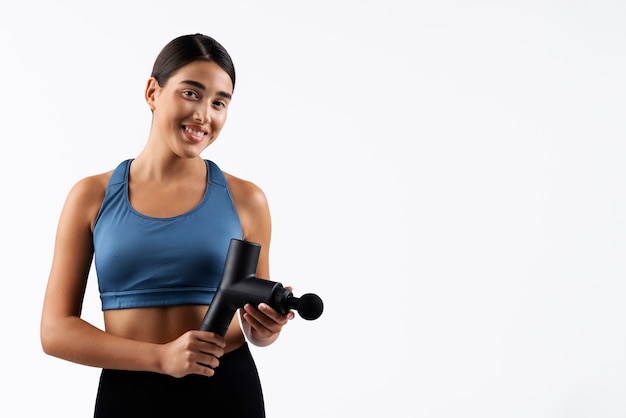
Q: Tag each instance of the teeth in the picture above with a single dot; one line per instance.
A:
(195, 133)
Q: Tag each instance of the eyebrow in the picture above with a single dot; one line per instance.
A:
(203, 88)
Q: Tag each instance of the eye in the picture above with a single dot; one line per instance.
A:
(220, 104)
(191, 94)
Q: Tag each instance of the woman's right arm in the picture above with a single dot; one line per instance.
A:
(65, 335)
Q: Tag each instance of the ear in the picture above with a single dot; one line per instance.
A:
(151, 90)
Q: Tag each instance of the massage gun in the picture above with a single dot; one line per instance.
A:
(239, 285)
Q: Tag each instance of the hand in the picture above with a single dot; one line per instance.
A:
(194, 352)
(264, 323)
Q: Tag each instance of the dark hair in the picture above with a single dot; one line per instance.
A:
(186, 49)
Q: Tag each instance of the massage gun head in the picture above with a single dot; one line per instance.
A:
(309, 306)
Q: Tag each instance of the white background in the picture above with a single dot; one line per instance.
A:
(448, 175)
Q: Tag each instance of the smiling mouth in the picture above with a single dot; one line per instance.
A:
(195, 134)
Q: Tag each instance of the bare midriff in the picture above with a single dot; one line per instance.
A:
(161, 325)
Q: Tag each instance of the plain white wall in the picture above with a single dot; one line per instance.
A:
(448, 175)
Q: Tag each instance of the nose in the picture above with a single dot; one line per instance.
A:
(202, 113)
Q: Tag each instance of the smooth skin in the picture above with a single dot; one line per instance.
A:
(167, 178)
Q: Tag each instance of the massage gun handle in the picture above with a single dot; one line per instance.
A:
(219, 315)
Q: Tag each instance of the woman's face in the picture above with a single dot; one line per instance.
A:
(190, 110)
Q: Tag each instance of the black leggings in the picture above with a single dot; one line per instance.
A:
(234, 391)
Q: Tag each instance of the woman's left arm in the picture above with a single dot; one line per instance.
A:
(261, 324)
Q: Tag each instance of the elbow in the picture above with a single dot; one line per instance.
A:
(48, 338)
(46, 341)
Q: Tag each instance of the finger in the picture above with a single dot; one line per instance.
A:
(254, 321)
(262, 317)
(263, 327)
(275, 315)
(211, 338)
(208, 360)
(264, 324)
(204, 370)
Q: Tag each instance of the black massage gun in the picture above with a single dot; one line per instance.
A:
(239, 285)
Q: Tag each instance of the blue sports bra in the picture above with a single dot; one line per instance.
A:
(144, 261)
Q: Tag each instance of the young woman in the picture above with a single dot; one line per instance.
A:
(158, 228)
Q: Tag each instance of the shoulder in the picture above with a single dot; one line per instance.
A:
(91, 186)
(252, 207)
(245, 193)
(85, 197)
